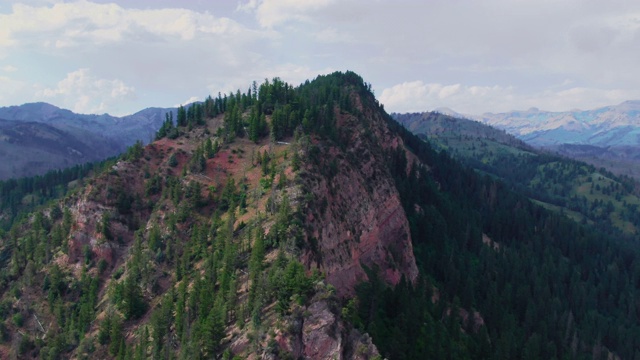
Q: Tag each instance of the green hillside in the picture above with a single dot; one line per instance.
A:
(577, 189)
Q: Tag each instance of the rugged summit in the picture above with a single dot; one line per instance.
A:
(605, 137)
(615, 125)
(211, 212)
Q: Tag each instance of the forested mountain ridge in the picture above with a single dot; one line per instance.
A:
(38, 137)
(213, 206)
(436, 124)
(581, 191)
(290, 222)
(606, 136)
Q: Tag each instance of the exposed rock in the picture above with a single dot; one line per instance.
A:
(361, 220)
(321, 334)
(96, 201)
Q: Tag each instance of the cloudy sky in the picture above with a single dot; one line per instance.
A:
(120, 56)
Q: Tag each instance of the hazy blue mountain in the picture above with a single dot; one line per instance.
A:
(617, 125)
(449, 123)
(605, 137)
(38, 137)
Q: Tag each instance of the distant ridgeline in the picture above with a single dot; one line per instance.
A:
(606, 136)
(38, 137)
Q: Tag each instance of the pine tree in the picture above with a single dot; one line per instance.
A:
(182, 116)
(255, 263)
(115, 335)
(254, 125)
(209, 150)
(213, 333)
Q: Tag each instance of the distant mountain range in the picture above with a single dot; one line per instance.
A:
(38, 137)
(606, 137)
(617, 125)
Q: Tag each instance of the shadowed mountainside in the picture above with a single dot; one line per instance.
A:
(38, 137)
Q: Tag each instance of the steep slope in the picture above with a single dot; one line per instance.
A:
(38, 137)
(530, 273)
(306, 223)
(374, 232)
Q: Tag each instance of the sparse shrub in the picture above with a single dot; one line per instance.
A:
(118, 273)
(102, 265)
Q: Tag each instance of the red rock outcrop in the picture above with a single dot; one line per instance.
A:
(322, 334)
(356, 218)
(89, 207)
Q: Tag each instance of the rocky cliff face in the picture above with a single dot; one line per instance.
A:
(357, 220)
(315, 331)
(103, 198)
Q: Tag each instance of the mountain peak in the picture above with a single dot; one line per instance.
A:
(606, 126)
(278, 172)
(629, 105)
(40, 105)
(282, 224)
(447, 111)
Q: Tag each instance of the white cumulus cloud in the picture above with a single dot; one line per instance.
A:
(9, 68)
(9, 88)
(190, 100)
(417, 96)
(80, 22)
(83, 92)
(496, 57)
